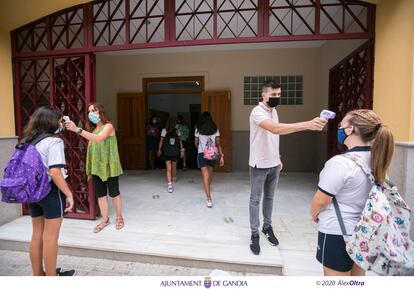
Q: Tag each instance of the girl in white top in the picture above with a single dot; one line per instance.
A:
(47, 214)
(207, 140)
(369, 140)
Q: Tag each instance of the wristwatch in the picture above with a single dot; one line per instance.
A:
(79, 130)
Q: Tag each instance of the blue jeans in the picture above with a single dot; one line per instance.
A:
(262, 181)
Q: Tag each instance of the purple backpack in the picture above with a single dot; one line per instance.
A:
(25, 176)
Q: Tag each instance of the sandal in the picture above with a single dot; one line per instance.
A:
(101, 226)
(119, 223)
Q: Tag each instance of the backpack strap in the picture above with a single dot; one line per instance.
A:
(339, 216)
(363, 167)
(39, 138)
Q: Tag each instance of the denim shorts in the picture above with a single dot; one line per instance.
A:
(202, 162)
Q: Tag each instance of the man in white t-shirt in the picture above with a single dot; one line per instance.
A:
(264, 159)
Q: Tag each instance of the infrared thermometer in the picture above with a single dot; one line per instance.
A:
(327, 114)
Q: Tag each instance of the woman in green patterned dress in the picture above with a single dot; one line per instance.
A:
(102, 163)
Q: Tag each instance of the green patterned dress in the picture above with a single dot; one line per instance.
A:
(102, 159)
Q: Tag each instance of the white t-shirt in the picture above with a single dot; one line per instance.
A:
(164, 132)
(52, 151)
(344, 179)
(264, 145)
(202, 139)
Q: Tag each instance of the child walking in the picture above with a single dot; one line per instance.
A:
(207, 141)
(170, 148)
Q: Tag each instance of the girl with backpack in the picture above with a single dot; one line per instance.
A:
(102, 163)
(47, 214)
(370, 142)
(170, 148)
(207, 141)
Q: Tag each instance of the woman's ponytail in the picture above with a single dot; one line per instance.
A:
(382, 151)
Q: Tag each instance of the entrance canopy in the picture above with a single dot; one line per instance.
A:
(131, 24)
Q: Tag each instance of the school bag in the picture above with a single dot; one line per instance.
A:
(381, 239)
(210, 151)
(25, 177)
(171, 147)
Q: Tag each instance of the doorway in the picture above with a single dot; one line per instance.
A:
(178, 98)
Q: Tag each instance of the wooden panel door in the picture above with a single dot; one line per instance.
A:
(219, 105)
(131, 129)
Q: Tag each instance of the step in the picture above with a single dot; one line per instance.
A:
(135, 245)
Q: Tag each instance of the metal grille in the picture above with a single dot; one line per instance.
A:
(147, 21)
(237, 18)
(130, 24)
(65, 83)
(109, 19)
(33, 38)
(194, 19)
(67, 29)
(350, 87)
(343, 17)
(34, 88)
(290, 17)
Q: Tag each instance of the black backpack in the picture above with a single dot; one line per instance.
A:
(171, 147)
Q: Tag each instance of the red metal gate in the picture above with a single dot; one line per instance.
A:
(53, 64)
(66, 83)
(350, 87)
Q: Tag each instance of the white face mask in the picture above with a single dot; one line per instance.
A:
(154, 121)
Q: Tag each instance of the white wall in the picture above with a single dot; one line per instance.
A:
(225, 70)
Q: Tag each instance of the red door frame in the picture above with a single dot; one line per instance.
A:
(86, 28)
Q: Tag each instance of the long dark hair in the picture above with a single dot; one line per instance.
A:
(170, 125)
(371, 129)
(206, 125)
(90, 126)
(44, 120)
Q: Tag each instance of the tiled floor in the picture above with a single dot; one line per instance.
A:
(180, 225)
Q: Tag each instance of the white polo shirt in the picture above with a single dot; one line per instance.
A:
(264, 145)
(344, 179)
(52, 151)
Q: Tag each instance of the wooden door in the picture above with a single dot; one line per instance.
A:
(131, 128)
(219, 105)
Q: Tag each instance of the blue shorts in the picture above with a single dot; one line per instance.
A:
(332, 254)
(202, 162)
(51, 207)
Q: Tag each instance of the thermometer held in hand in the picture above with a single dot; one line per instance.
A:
(327, 114)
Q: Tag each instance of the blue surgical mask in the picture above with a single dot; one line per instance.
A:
(341, 135)
(94, 117)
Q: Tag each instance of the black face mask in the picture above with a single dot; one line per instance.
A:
(273, 101)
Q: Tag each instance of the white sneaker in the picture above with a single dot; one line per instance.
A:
(170, 188)
(209, 204)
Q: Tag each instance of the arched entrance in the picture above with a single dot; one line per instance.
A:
(54, 61)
